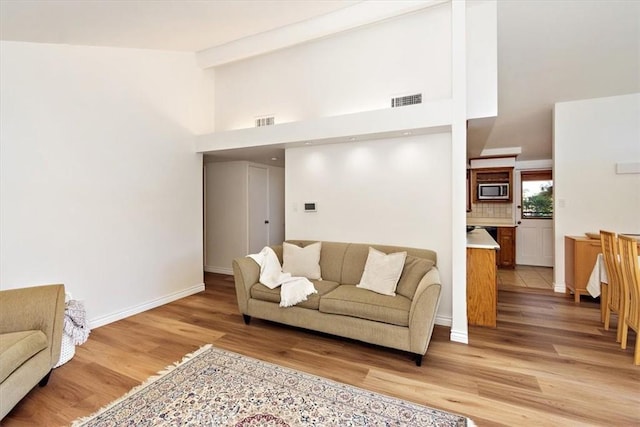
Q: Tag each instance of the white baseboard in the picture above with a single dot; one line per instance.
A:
(560, 287)
(459, 337)
(443, 320)
(113, 317)
(455, 336)
(219, 270)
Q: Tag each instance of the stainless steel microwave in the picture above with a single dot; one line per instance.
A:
(493, 191)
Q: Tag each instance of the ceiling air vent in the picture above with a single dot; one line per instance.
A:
(265, 121)
(401, 101)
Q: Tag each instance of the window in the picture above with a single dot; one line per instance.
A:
(537, 195)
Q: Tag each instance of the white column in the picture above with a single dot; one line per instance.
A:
(459, 329)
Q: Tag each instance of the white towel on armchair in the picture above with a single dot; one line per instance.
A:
(293, 289)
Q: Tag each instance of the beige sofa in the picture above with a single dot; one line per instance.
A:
(31, 324)
(403, 322)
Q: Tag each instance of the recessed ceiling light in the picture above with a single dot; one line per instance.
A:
(274, 158)
(406, 133)
(307, 143)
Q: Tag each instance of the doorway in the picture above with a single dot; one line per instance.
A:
(533, 197)
(258, 208)
(534, 203)
(244, 211)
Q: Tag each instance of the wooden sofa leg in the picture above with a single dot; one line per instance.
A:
(419, 359)
(43, 382)
(246, 318)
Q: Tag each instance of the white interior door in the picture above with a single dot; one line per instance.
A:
(534, 234)
(258, 208)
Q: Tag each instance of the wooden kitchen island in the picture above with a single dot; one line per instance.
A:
(482, 278)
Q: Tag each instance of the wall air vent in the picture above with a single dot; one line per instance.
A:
(265, 121)
(401, 101)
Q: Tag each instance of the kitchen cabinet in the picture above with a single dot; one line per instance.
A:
(507, 242)
(490, 176)
(482, 287)
(580, 255)
(482, 279)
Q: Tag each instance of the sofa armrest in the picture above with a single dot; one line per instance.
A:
(35, 308)
(246, 272)
(424, 307)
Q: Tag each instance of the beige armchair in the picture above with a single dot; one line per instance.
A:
(31, 324)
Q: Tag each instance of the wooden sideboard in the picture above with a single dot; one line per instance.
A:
(580, 255)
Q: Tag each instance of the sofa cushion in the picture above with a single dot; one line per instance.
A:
(414, 269)
(18, 347)
(382, 272)
(349, 300)
(302, 262)
(331, 258)
(355, 258)
(261, 292)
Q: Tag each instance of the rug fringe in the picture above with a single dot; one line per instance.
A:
(80, 421)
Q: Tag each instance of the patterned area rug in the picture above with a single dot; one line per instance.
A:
(214, 387)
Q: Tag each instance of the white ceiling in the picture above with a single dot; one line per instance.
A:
(554, 51)
(548, 51)
(181, 25)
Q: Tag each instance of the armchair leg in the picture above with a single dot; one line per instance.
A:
(43, 382)
(246, 318)
(418, 359)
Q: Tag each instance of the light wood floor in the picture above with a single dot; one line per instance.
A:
(549, 362)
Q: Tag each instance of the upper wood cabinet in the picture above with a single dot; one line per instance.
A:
(488, 176)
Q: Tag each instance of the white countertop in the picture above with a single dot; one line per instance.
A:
(480, 239)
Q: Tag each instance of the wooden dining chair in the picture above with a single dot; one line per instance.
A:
(631, 277)
(616, 295)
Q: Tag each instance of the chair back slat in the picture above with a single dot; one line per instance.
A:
(628, 249)
(616, 300)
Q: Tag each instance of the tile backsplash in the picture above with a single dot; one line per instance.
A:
(491, 210)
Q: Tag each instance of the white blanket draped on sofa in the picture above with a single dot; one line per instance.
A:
(293, 289)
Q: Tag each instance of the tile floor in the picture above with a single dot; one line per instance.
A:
(524, 276)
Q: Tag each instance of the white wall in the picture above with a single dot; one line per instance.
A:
(276, 205)
(482, 58)
(590, 138)
(393, 191)
(354, 71)
(100, 186)
(227, 212)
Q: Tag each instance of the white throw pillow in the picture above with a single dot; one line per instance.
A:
(382, 272)
(302, 262)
